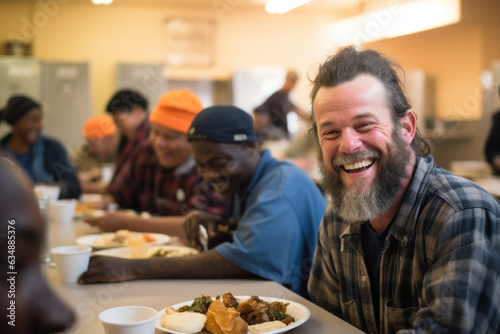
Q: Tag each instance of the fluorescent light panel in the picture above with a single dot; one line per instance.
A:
(396, 20)
(102, 2)
(283, 6)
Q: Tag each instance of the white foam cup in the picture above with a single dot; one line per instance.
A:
(71, 261)
(107, 172)
(129, 320)
(51, 191)
(63, 211)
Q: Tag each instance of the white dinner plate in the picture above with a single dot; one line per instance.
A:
(173, 251)
(296, 310)
(90, 240)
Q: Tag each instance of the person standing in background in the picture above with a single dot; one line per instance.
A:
(45, 159)
(97, 154)
(492, 147)
(278, 105)
(130, 113)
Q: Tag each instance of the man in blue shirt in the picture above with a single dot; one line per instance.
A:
(273, 211)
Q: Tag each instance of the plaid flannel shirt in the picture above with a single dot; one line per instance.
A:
(439, 271)
(143, 185)
(131, 146)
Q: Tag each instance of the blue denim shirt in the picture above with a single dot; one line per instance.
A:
(279, 215)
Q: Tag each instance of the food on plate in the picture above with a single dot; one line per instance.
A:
(227, 315)
(256, 311)
(200, 305)
(121, 238)
(93, 213)
(224, 320)
(266, 326)
(185, 322)
(174, 252)
(89, 212)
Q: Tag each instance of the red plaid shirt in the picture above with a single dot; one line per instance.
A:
(143, 185)
(132, 145)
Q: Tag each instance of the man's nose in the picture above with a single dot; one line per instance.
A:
(350, 141)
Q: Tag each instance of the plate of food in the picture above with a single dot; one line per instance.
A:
(232, 314)
(121, 238)
(151, 251)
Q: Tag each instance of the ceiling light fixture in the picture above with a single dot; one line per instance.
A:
(283, 6)
(403, 18)
(102, 2)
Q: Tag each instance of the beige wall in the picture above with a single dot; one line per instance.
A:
(105, 35)
(451, 57)
(75, 30)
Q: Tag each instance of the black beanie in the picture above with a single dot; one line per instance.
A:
(17, 107)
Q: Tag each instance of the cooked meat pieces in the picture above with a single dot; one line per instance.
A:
(254, 310)
(229, 300)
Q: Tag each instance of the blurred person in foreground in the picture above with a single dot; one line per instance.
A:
(272, 215)
(98, 151)
(28, 304)
(404, 246)
(161, 177)
(278, 105)
(45, 159)
(129, 110)
(492, 147)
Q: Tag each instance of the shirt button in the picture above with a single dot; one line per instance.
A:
(363, 279)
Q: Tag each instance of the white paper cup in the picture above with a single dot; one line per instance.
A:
(71, 261)
(129, 320)
(52, 192)
(63, 211)
(107, 172)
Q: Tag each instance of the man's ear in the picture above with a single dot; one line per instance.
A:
(408, 126)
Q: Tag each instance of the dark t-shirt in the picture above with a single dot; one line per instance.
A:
(278, 105)
(373, 246)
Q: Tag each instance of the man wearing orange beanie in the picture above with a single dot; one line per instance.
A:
(161, 177)
(93, 158)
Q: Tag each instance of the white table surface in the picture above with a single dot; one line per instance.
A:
(87, 301)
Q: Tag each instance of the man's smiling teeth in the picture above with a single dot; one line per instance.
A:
(357, 165)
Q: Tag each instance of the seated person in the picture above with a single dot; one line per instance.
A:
(492, 147)
(33, 307)
(97, 153)
(45, 159)
(161, 177)
(129, 110)
(404, 246)
(271, 220)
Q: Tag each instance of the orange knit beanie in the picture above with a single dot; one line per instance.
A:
(98, 127)
(176, 110)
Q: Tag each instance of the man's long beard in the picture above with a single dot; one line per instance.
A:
(355, 207)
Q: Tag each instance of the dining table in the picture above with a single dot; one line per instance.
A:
(87, 301)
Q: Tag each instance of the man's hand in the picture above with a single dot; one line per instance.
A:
(106, 269)
(191, 226)
(111, 221)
